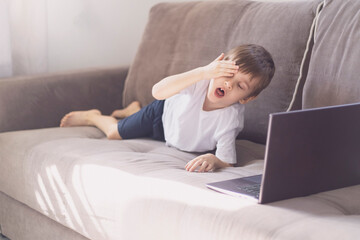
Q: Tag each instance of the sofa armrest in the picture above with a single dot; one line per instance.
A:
(41, 101)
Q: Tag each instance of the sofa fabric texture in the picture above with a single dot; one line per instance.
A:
(334, 66)
(182, 36)
(39, 101)
(18, 221)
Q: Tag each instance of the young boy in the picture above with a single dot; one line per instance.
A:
(195, 111)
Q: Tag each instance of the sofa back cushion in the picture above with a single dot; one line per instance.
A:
(334, 71)
(182, 36)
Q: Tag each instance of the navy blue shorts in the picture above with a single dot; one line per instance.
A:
(145, 123)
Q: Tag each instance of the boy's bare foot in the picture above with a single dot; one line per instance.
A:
(78, 118)
(129, 110)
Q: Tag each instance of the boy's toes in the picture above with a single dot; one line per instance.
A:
(113, 114)
(64, 120)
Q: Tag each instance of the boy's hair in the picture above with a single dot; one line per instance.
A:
(254, 60)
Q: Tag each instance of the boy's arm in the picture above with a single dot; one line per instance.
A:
(206, 162)
(225, 150)
(172, 85)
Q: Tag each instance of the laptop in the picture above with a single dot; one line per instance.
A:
(307, 152)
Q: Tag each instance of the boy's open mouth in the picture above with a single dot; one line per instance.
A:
(219, 92)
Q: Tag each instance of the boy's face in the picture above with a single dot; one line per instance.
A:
(225, 91)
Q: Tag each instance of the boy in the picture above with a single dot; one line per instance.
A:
(195, 111)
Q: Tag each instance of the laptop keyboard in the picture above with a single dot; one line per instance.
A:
(252, 189)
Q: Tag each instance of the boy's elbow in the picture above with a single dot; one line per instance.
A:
(156, 93)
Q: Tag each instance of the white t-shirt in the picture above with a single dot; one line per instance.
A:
(189, 128)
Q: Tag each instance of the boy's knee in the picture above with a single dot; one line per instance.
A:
(113, 134)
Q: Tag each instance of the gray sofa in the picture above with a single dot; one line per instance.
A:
(73, 183)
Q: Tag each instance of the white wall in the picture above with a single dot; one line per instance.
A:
(57, 35)
(28, 34)
(87, 33)
(5, 53)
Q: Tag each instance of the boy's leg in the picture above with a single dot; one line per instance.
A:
(144, 123)
(107, 124)
(132, 108)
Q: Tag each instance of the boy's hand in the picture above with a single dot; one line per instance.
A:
(220, 68)
(205, 163)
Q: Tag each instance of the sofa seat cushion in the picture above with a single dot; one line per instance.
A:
(187, 35)
(138, 189)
